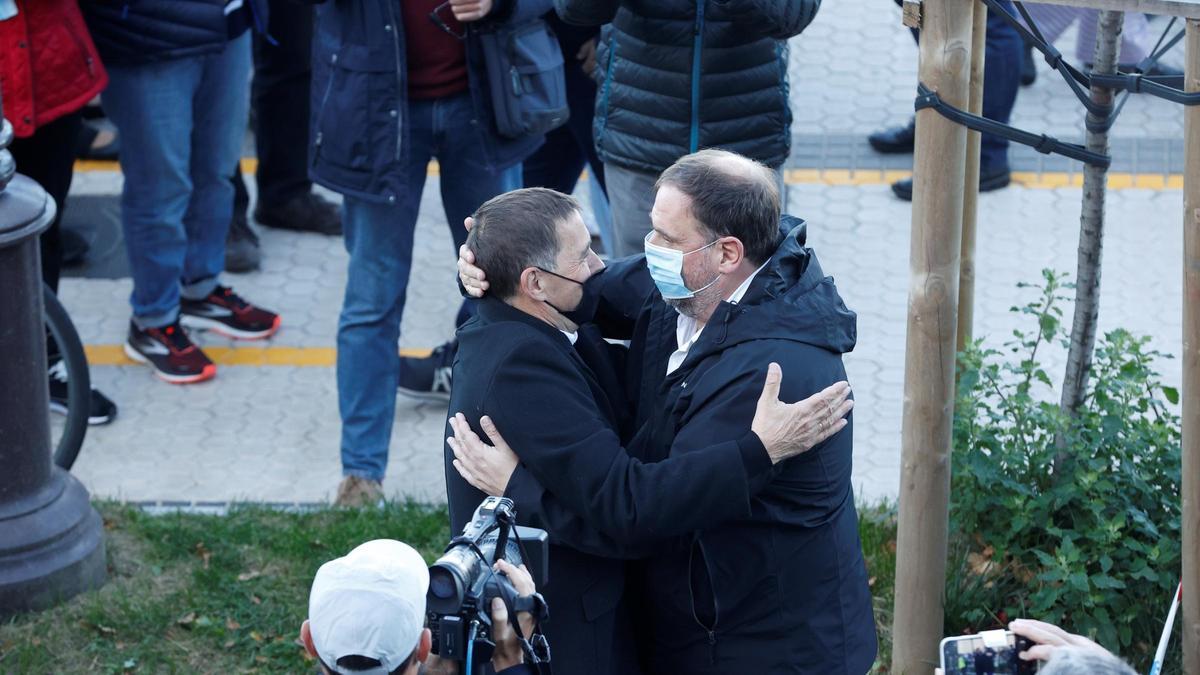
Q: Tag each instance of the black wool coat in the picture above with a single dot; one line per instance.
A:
(561, 408)
(781, 585)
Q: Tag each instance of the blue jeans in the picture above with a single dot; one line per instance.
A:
(181, 124)
(1001, 80)
(379, 238)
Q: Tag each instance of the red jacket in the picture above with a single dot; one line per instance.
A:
(48, 64)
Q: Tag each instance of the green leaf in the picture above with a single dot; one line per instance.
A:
(1171, 394)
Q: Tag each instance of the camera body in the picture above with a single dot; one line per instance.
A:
(994, 652)
(462, 582)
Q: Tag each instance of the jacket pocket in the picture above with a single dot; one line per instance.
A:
(355, 114)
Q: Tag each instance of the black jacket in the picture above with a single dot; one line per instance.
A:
(359, 139)
(561, 408)
(136, 32)
(783, 587)
(681, 75)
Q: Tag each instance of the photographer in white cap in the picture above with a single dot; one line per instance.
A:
(366, 615)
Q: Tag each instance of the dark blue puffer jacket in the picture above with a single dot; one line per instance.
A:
(136, 32)
(359, 133)
(681, 75)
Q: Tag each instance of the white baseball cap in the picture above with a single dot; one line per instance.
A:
(370, 602)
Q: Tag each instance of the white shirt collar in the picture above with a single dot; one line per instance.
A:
(570, 336)
(688, 330)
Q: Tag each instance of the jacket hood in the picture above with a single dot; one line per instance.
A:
(789, 299)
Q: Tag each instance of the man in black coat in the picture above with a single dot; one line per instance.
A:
(781, 588)
(524, 364)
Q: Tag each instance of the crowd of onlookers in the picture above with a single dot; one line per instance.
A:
(359, 97)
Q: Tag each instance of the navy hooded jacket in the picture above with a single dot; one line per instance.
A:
(780, 584)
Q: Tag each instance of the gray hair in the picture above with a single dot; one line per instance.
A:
(1079, 661)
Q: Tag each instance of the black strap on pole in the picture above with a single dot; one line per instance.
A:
(1100, 117)
(926, 98)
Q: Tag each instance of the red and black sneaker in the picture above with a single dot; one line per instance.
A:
(226, 313)
(170, 352)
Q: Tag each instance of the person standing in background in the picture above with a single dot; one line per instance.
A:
(49, 70)
(177, 94)
(279, 99)
(719, 80)
(395, 85)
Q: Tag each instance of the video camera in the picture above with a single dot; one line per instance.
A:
(462, 584)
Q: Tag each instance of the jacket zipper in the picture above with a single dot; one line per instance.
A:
(709, 631)
(399, 78)
(697, 47)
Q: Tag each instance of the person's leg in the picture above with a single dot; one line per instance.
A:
(466, 182)
(1001, 81)
(242, 252)
(379, 239)
(151, 106)
(555, 165)
(219, 113)
(48, 157)
(282, 73)
(631, 196)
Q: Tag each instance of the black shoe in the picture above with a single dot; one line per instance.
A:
(87, 149)
(170, 352)
(428, 377)
(242, 251)
(895, 141)
(1028, 67)
(989, 179)
(100, 409)
(303, 213)
(226, 313)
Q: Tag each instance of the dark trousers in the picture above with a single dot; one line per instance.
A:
(48, 157)
(556, 165)
(279, 97)
(1001, 80)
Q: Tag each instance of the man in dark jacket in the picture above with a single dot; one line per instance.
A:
(395, 84)
(531, 369)
(782, 587)
(680, 75)
(176, 92)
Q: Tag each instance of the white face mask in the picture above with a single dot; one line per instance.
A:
(666, 268)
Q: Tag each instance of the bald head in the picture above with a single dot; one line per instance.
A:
(730, 196)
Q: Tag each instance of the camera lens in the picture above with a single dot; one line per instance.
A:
(442, 583)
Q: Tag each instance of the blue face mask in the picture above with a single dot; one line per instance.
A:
(666, 268)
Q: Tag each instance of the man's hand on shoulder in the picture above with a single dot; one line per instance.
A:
(788, 429)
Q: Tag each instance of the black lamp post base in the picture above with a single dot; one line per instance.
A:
(51, 546)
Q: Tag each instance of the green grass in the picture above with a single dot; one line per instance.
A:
(223, 594)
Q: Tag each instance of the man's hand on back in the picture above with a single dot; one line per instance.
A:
(788, 429)
(488, 468)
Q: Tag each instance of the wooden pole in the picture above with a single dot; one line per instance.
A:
(1191, 360)
(966, 267)
(939, 168)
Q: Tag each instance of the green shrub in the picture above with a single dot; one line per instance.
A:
(1074, 521)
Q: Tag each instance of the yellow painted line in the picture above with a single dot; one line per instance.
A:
(1029, 179)
(297, 357)
(845, 177)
